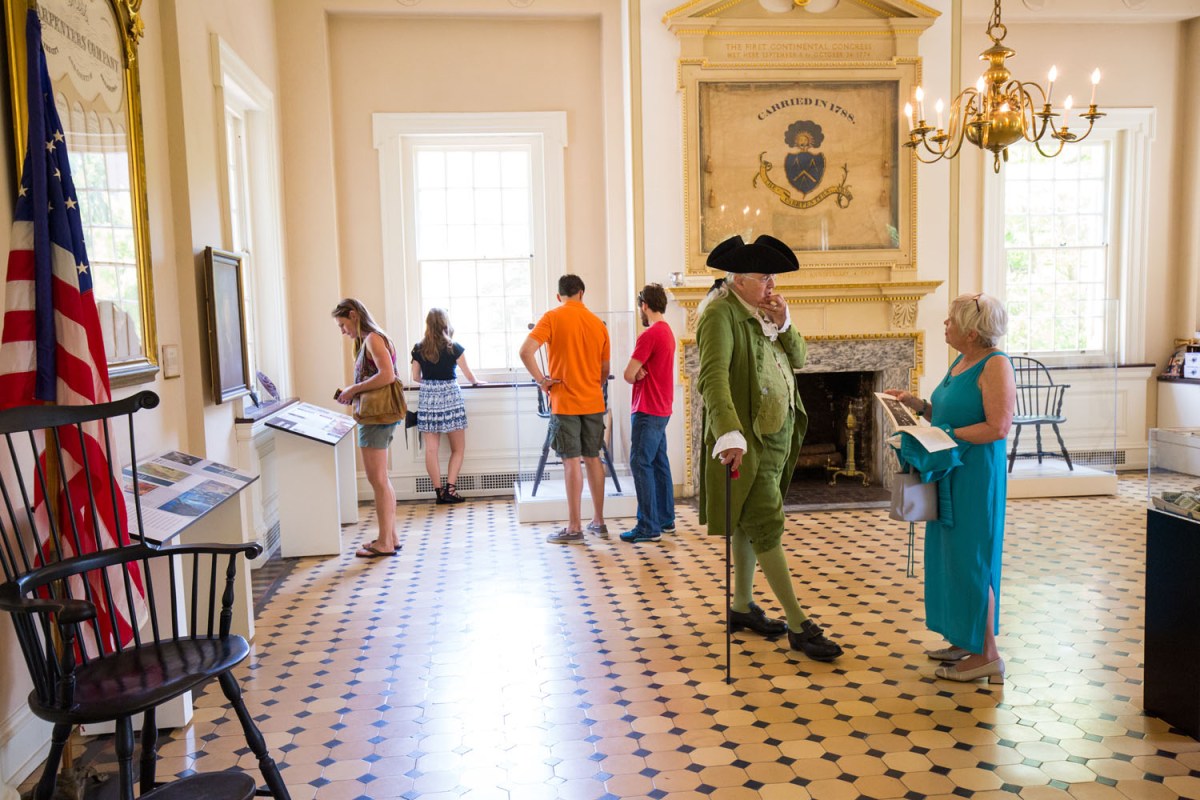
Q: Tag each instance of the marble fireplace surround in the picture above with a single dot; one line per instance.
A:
(895, 358)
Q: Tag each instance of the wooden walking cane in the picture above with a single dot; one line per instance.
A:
(728, 539)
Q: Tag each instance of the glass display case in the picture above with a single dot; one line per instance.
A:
(540, 488)
(1063, 440)
(1173, 482)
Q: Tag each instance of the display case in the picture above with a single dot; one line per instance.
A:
(1173, 482)
(540, 488)
(1172, 650)
(1063, 440)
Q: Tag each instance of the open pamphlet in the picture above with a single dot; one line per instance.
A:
(902, 419)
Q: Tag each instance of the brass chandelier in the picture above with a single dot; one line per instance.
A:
(998, 111)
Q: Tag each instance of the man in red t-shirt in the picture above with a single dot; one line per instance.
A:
(651, 370)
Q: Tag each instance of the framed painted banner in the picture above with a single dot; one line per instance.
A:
(91, 56)
(812, 162)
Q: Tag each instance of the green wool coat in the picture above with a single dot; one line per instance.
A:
(733, 353)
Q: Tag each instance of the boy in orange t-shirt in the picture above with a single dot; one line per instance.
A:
(578, 346)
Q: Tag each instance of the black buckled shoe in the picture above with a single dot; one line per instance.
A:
(756, 620)
(812, 642)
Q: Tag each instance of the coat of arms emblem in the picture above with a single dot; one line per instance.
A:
(804, 168)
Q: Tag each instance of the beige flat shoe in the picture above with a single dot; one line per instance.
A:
(993, 671)
(951, 653)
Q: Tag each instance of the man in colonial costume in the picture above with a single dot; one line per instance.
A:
(754, 422)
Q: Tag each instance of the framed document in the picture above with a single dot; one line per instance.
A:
(227, 352)
(91, 55)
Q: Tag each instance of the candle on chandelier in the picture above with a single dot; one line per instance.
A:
(920, 104)
(938, 107)
(908, 115)
(1053, 76)
(1067, 104)
(1095, 83)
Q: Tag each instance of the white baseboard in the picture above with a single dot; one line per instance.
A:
(24, 743)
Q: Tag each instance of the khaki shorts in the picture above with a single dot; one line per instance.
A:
(576, 435)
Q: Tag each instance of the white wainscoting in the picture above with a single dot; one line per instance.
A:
(504, 440)
(24, 743)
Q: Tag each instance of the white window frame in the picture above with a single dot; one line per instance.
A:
(395, 132)
(240, 92)
(1132, 132)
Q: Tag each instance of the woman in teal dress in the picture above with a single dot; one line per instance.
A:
(974, 403)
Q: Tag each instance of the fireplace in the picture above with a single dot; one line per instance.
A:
(839, 369)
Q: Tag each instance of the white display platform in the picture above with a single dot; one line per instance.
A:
(1051, 478)
(317, 493)
(550, 504)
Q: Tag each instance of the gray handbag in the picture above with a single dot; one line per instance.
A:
(913, 501)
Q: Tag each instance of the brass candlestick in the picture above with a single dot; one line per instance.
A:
(850, 470)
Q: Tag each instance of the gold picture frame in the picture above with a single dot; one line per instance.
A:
(91, 54)
(750, 133)
(228, 354)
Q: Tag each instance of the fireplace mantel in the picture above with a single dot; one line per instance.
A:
(891, 305)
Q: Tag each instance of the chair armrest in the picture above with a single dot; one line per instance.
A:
(60, 570)
(67, 611)
(251, 549)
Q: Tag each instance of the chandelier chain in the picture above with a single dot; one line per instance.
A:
(995, 25)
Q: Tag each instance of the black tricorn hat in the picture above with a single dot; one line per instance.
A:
(767, 255)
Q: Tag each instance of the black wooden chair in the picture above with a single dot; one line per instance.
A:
(67, 594)
(1039, 402)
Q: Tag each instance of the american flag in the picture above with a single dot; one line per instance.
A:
(52, 349)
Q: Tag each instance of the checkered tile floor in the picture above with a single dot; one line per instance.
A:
(485, 663)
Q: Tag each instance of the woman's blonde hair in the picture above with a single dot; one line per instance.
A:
(366, 323)
(982, 314)
(439, 335)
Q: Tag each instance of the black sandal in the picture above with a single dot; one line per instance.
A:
(451, 495)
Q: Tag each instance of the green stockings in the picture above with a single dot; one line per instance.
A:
(779, 578)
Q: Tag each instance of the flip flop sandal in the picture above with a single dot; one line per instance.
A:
(369, 551)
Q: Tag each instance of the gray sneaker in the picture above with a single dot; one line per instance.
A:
(565, 536)
(669, 528)
(600, 530)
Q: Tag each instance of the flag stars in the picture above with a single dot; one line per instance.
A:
(58, 173)
(22, 190)
(49, 147)
(58, 136)
(81, 268)
(71, 203)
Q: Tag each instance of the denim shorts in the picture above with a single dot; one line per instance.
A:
(376, 436)
(577, 435)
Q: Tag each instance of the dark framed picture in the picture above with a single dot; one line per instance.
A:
(227, 354)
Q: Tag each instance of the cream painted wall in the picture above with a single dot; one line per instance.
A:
(465, 65)
(197, 175)
(332, 226)
(1187, 196)
(1127, 56)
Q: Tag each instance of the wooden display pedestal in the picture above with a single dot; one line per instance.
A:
(317, 492)
(1172, 650)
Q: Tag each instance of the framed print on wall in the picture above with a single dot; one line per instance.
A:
(91, 55)
(813, 162)
(228, 356)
